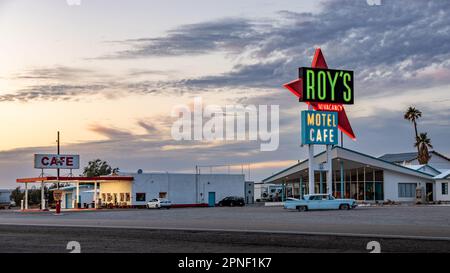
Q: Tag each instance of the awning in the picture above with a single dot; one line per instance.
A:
(74, 179)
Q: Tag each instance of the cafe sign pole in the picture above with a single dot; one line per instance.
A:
(325, 91)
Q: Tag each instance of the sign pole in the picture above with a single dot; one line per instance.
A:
(42, 191)
(310, 164)
(26, 196)
(329, 171)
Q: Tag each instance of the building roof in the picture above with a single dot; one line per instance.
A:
(443, 175)
(71, 187)
(74, 179)
(410, 156)
(420, 167)
(344, 152)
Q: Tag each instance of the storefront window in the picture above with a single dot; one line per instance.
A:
(369, 191)
(361, 174)
(379, 176)
(353, 191)
(369, 174)
(379, 192)
(361, 191)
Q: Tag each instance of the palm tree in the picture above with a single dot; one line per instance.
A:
(412, 114)
(422, 144)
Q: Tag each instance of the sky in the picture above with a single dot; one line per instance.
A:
(108, 73)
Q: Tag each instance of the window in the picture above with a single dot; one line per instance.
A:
(162, 194)
(406, 190)
(379, 176)
(140, 196)
(444, 188)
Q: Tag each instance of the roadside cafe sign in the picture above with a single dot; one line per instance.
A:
(55, 161)
(319, 127)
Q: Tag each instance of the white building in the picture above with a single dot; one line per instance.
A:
(367, 178)
(180, 188)
(85, 197)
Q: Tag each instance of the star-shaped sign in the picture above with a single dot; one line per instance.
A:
(296, 87)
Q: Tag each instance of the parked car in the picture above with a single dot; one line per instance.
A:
(6, 205)
(320, 202)
(158, 203)
(232, 201)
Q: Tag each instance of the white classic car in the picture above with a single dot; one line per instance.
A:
(319, 202)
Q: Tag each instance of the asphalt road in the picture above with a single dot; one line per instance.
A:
(248, 229)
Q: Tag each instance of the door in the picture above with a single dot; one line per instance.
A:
(211, 199)
(429, 192)
(315, 202)
(68, 200)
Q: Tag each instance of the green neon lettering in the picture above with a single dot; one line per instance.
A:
(322, 85)
(310, 84)
(332, 83)
(347, 94)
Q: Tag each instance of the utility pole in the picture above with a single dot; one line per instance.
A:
(58, 203)
(57, 151)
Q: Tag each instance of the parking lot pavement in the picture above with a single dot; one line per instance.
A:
(45, 239)
(431, 222)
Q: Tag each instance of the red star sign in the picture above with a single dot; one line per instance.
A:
(296, 88)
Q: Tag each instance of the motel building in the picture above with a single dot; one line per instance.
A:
(393, 177)
(136, 189)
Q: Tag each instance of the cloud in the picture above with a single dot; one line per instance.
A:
(395, 47)
(226, 35)
(53, 92)
(388, 46)
(109, 132)
(56, 73)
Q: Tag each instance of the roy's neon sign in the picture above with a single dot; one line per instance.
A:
(327, 85)
(323, 86)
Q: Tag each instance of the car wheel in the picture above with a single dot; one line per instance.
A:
(231, 204)
(344, 207)
(302, 208)
(220, 204)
